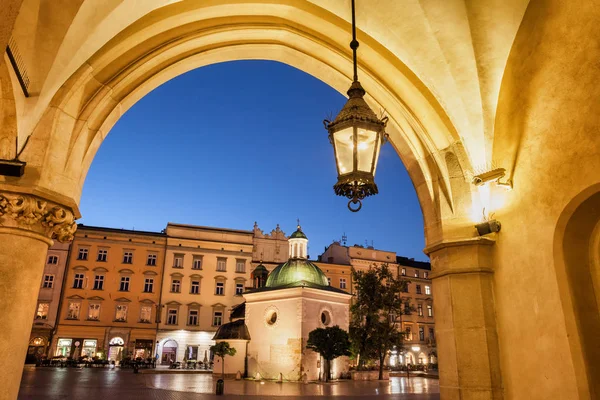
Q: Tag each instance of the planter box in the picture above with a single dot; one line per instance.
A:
(368, 375)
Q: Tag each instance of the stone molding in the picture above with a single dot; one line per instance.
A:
(37, 215)
(443, 244)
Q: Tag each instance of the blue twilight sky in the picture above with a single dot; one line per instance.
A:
(233, 143)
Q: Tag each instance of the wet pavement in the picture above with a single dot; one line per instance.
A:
(100, 384)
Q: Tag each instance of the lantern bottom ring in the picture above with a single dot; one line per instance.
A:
(354, 201)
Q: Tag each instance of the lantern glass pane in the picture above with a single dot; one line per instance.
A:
(377, 149)
(367, 140)
(344, 147)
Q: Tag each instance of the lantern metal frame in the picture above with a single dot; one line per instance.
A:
(356, 114)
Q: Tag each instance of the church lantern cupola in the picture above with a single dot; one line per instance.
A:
(298, 243)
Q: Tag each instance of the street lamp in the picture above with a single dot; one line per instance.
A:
(356, 135)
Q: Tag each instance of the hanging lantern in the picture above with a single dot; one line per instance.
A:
(356, 135)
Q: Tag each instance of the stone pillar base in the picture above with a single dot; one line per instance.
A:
(467, 340)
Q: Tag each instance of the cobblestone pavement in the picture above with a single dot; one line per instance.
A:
(100, 384)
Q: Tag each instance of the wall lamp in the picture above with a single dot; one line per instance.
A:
(13, 168)
(493, 175)
(487, 227)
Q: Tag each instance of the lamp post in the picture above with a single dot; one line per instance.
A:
(356, 135)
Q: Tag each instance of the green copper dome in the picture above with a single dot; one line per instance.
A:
(296, 272)
(298, 234)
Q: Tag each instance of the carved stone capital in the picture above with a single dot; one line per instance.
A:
(34, 214)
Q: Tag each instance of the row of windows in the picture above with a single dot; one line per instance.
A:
(195, 287)
(121, 310)
(418, 287)
(74, 310)
(407, 309)
(409, 335)
(102, 256)
(192, 317)
(240, 264)
(417, 273)
(124, 284)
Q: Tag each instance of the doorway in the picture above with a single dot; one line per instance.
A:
(169, 352)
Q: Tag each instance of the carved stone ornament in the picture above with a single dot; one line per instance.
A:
(34, 214)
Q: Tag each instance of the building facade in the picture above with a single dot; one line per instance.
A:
(111, 293)
(206, 271)
(46, 311)
(165, 294)
(418, 321)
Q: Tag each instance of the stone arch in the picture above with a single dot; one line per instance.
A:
(147, 54)
(577, 263)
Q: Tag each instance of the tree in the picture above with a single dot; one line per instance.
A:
(375, 310)
(222, 349)
(330, 343)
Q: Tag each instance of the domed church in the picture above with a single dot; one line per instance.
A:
(295, 299)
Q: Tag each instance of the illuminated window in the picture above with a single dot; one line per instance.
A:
(172, 316)
(416, 273)
(52, 260)
(89, 348)
(427, 289)
(63, 348)
(73, 311)
(124, 285)
(430, 311)
(42, 311)
(421, 333)
(48, 281)
(121, 314)
(145, 314)
(403, 271)
(426, 275)
(78, 281)
(102, 255)
(99, 282)
(127, 257)
(94, 312)
(420, 310)
(195, 287)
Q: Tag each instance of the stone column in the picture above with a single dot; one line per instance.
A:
(27, 226)
(465, 321)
